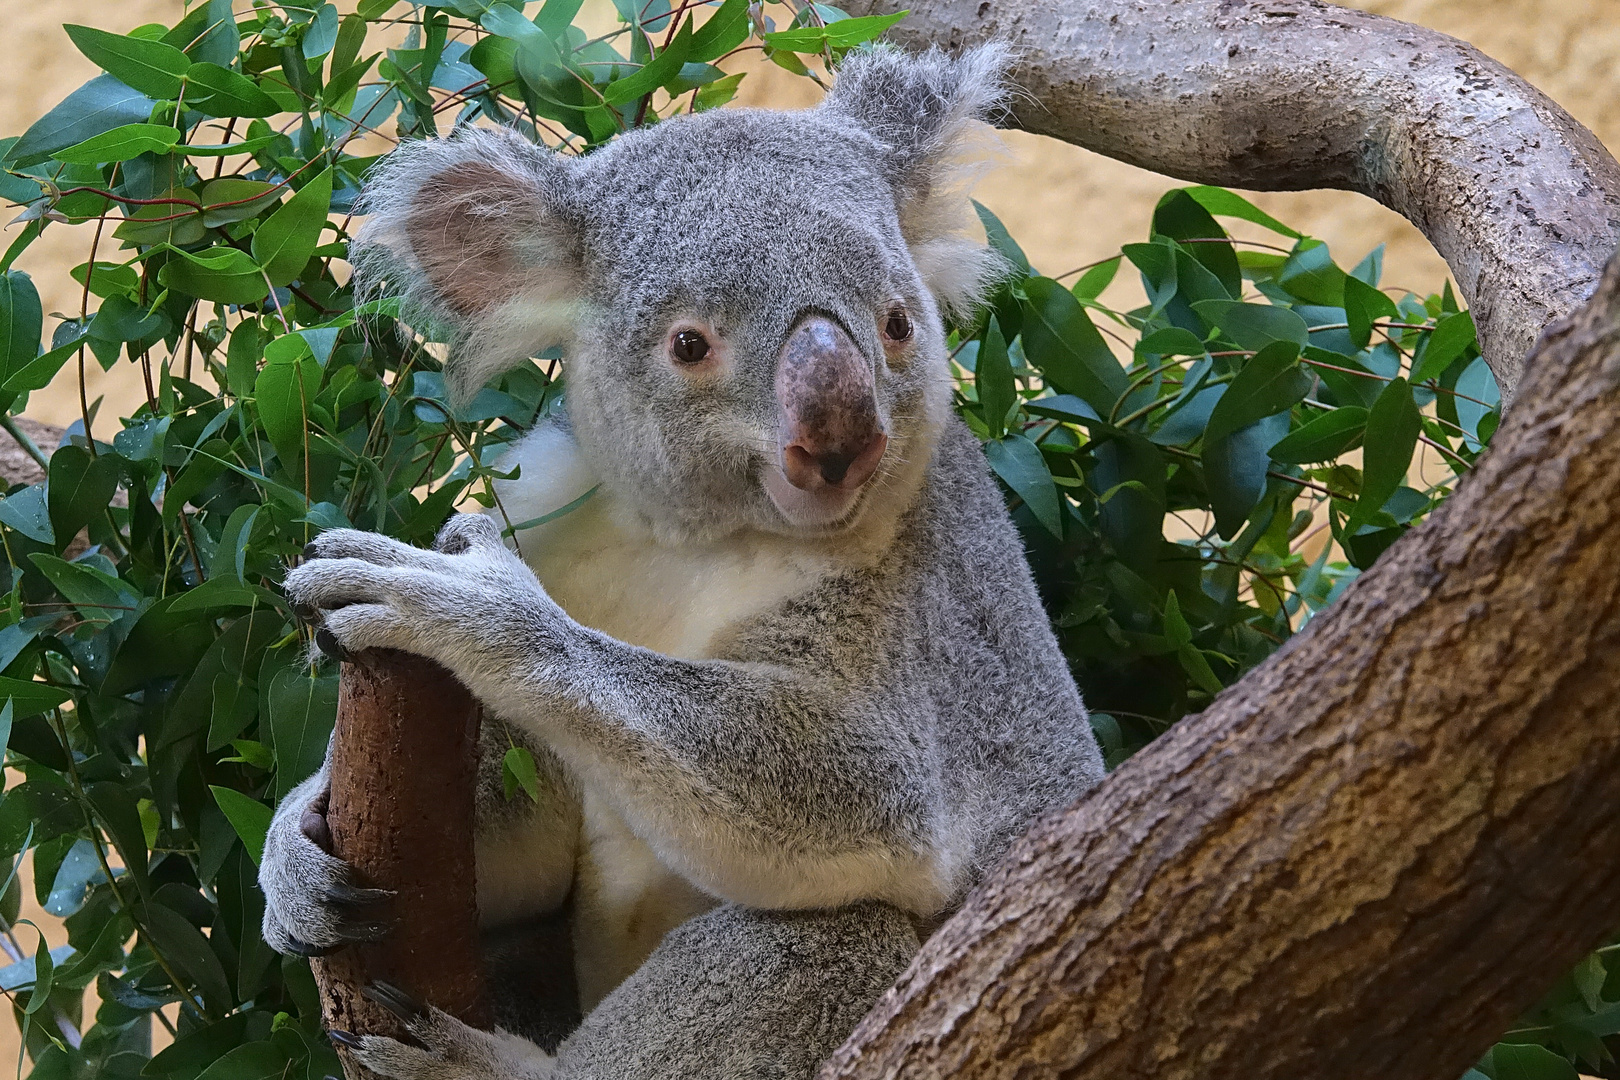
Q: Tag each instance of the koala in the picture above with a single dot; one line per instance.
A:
(784, 665)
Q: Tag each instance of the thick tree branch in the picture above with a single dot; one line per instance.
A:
(1372, 853)
(1520, 200)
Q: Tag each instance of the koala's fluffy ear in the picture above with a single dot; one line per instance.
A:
(474, 231)
(922, 109)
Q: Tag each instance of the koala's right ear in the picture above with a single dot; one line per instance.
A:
(921, 109)
(475, 231)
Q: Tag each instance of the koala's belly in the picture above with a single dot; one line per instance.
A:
(625, 901)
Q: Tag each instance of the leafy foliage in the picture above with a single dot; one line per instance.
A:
(158, 701)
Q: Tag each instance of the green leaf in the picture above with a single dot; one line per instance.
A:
(121, 144)
(1235, 471)
(26, 512)
(1271, 382)
(1020, 464)
(1324, 438)
(1589, 977)
(21, 322)
(284, 391)
(101, 104)
(1180, 217)
(121, 819)
(183, 945)
(287, 239)
(1223, 203)
(726, 29)
(993, 375)
(1311, 275)
(177, 219)
(1363, 306)
(208, 33)
(1001, 240)
(230, 200)
(1098, 278)
(1452, 336)
(248, 816)
(28, 698)
(251, 1061)
(80, 488)
(44, 970)
(518, 771)
(1061, 341)
(223, 274)
(1393, 425)
(1193, 663)
(660, 70)
(1529, 1062)
(302, 712)
(1253, 326)
(1176, 630)
(148, 66)
(219, 91)
(843, 34)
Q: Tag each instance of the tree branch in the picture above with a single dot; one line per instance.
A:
(1417, 795)
(1520, 199)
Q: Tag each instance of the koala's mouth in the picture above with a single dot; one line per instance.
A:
(823, 507)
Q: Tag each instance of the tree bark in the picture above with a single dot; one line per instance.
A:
(404, 774)
(1521, 200)
(1367, 857)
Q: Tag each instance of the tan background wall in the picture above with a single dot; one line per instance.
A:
(1066, 206)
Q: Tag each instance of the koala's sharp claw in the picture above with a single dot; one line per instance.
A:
(352, 896)
(304, 948)
(345, 1038)
(394, 1000)
(304, 612)
(328, 644)
(310, 552)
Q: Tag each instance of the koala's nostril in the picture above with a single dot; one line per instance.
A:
(839, 468)
(835, 466)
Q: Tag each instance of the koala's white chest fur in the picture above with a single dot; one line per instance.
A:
(675, 601)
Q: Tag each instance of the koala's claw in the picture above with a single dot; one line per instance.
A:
(395, 1001)
(449, 1050)
(304, 948)
(330, 645)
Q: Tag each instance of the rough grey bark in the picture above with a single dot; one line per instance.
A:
(1520, 200)
(1368, 856)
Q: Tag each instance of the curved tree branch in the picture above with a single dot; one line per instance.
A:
(1417, 795)
(1521, 200)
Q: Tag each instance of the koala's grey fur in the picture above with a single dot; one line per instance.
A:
(786, 739)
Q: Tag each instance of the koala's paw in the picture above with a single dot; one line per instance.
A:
(470, 604)
(312, 903)
(448, 1050)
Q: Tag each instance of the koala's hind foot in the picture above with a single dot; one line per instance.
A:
(732, 994)
(448, 1049)
(312, 903)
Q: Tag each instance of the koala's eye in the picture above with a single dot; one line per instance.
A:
(689, 347)
(897, 327)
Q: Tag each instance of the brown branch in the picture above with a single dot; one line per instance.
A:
(1418, 794)
(1519, 198)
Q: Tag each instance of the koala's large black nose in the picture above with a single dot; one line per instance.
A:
(831, 433)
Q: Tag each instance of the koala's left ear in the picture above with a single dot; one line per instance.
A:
(475, 230)
(921, 109)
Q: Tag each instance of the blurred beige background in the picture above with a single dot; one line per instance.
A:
(1067, 207)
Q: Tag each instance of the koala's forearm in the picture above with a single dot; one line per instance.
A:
(745, 777)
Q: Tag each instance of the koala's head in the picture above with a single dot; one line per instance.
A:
(749, 302)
